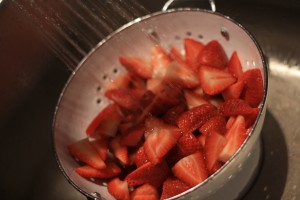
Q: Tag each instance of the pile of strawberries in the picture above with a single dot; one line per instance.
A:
(173, 121)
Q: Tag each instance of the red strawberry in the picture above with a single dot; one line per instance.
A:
(188, 144)
(254, 87)
(202, 139)
(230, 122)
(141, 157)
(119, 151)
(233, 107)
(121, 81)
(176, 55)
(234, 65)
(118, 189)
(106, 122)
(216, 167)
(234, 91)
(193, 99)
(86, 153)
(235, 137)
(173, 186)
(194, 118)
(133, 135)
(191, 169)
(173, 113)
(101, 146)
(145, 192)
(160, 61)
(213, 55)
(250, 118)
(148, 173)
(154, 85)
(137, 66)
(160, 141)
(214, 145)
(111, 170)
(213, 81)
(192, 49)
(216, 123)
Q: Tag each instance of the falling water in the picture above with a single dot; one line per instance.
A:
(72, 28)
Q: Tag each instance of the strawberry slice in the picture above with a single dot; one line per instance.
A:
(173, 113)
(136, 65)
(192, 50)
(160, 61)
(254, 89)
(214, 145)
(154, 85)
(145, 192)
(193, 99)
(202, 139)
(234, 91)
(86, 153)
(235, 138)
(216, 167)
(234, 65)
(250, 118)
(121, 81)
(213, 55)
(160, 141)
(191, 169)
(119, 151)
(111, 170)
(173, 186)
(106, 122)
(141, 157)
(175, 55)
(234, 107)
(213, 81)
(216, 123)
(118, 189)
(133, 135)
(101, 146)
(194, 118)
(148, 173)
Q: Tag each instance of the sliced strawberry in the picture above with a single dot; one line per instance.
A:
(173, 113)
(137, 66)
(213, 81)
(106, 122)
(160, 141)
(230, 122)
(111, 170)
(216, 123)
(173, 186)
(160, 61)
(141, 157)
(234, 65)
(176, 55)
(191, 169)
(193, 99)
(214, 145)
(216, 167)
(120, 151)
(194, 118)
(234, 91)
(235, 137)
(148, 173)
(192, 50)
(188, 144)
(202, 139)
(213, 55)
(145, 192)
(101, 146)
(121, 81)
(254, 87)
(118, 189)
(233, 107)
(250, 118)
(133, 135)
(154, 85)
(85, 152)
(136, 82)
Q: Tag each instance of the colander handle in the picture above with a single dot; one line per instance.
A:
(170, 2)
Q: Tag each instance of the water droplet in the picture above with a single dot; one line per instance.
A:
(265, 188)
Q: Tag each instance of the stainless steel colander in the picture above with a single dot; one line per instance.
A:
(83, 98)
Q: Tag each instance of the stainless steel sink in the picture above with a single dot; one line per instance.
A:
(32, 77)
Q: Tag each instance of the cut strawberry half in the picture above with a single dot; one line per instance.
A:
(234, 91)
(213, 55)
(235, 138)
(194, 118)
(188, 144)
(106, 122)
(202, 139)
(216, 123)
(191, 169)
(160, 61)
(254, 87)
(121, 81)
(216, 167)
(118, 189)
(214, 145)
(154, 85)
(234, 65)
(192, 50)
(136, 65)
(173, 113)
(86, 153)
(148, 173)
(175, 55)
(160, 141)
(145, 192)
(101, 146)
(120, 151)
(141, 157)
(193, 99)
(234, 107)
(111, 170)
(133, 135)
(213, 81)
(172, 186)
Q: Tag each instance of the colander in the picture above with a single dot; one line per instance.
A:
(83, 96)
